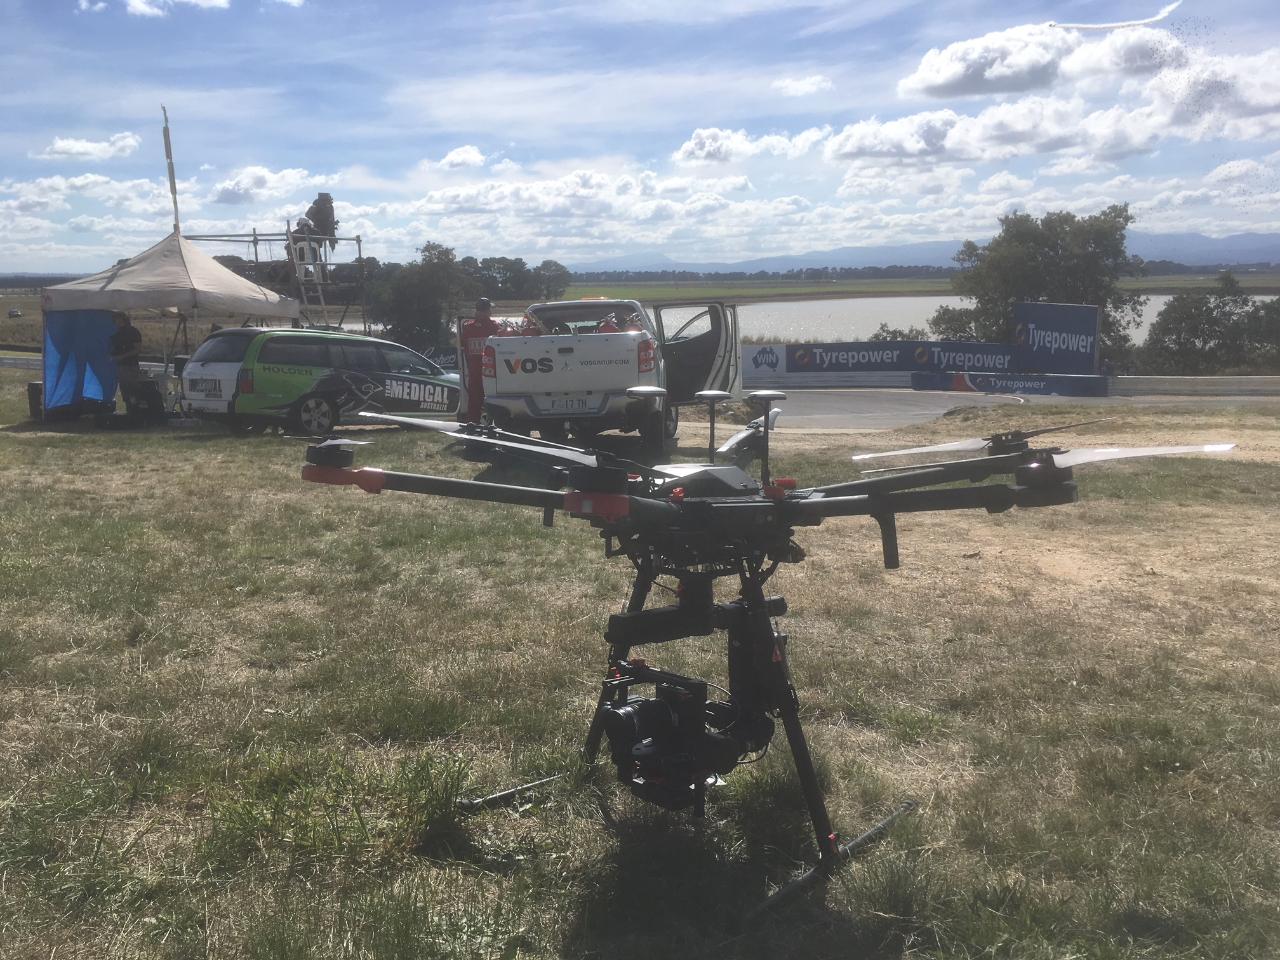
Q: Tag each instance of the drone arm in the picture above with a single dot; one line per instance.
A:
(974, 470)
(992, 497)
(372, 480)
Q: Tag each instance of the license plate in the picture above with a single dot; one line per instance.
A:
(569, 405)
(210, 388)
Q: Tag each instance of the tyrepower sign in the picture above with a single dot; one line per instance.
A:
(898, 355)
(1056, 337)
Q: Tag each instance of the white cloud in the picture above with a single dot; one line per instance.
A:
(464, 156)
(585, 106)
(506, 167)
(70, 148)
(1074, 165)
(1234, 171)
(714, 145)
(1008, 61)
(90, 6)
(917, 135)
(145, 197)
(802, 86)
(1004, 182)
(292, 3)
(160, 8)
(254, 184)
(1140, 51)
(898, 184)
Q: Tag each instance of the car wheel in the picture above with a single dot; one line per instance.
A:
(315, 416)
(671, 423)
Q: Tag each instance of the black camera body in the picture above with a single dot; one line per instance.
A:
(668, 747)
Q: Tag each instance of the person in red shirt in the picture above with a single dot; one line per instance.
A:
(473, 334)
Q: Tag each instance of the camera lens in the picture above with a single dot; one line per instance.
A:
(638, 720)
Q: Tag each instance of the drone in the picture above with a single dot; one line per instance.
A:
(696, 523)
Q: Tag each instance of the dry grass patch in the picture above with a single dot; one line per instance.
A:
(238, 710)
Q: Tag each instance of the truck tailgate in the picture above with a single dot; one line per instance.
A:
(565, 364)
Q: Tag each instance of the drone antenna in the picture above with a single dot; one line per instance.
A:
(712, 397)
(765, 398)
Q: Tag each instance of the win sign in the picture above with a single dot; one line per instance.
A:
(1056, 337)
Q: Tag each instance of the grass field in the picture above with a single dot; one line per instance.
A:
(237, 711)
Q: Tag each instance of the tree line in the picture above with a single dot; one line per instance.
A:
(415, 301)
(1064, 258)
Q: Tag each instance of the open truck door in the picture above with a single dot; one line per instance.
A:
(700, 348)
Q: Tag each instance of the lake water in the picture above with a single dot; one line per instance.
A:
(857, 318)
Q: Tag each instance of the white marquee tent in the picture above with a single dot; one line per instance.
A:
(173, 273)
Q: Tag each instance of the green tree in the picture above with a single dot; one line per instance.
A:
(507, 278)
(552, 279)
(886, 332)
(1222, 331)
(1059, 258)
(415, 302)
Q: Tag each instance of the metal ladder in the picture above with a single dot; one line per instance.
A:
(309, 257)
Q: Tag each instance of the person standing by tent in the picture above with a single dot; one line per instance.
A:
(126, 345)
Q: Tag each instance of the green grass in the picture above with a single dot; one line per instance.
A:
(237, 712)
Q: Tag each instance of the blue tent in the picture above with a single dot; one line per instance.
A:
(77, 358)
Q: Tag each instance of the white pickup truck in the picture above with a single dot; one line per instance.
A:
(574, 377)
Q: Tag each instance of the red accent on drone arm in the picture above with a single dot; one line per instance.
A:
(375, 481)
(368, 479)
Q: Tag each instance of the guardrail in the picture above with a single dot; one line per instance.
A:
(1195, 386)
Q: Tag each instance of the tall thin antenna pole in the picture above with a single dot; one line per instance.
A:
(173, 183)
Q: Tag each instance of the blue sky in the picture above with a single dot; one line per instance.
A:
(581, 130)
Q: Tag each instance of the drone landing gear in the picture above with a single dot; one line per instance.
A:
(670, 747)
(830, 862)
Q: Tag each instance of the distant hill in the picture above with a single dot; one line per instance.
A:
(1189, 248)
(11, 281)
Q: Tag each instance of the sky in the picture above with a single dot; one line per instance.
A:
(585, 130)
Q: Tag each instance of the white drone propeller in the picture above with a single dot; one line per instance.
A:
(440, 426)
(980, 443)
(1073, 458)
(551, 450)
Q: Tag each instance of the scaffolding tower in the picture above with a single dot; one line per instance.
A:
(309, 269)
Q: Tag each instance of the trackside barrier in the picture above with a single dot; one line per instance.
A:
(1195, 386)
(1064, 385)
(757, 380)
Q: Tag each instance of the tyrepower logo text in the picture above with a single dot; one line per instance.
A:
(825, 359)
(944, 359)
(529, 365)
(1054, 340)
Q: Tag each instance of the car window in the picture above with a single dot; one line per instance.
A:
(226, 349)
(403, 360)
(362, 356)
(295, 352)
